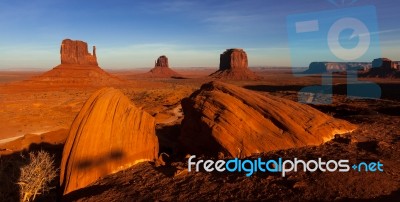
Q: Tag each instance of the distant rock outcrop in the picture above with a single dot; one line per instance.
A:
(108, 135)
(335, 67)
(383, 68)
(76, 52)
(78, 67)
(238, 122)
(162, 61)
(161, 69)
(233, 65)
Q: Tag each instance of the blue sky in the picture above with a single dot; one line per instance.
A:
(132, 34)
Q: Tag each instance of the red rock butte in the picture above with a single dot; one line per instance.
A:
(161, 69)
(238, 122)
(108, 135)
(78, 67)
(233, 65)
(76, 52)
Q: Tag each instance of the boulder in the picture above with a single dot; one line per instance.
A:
(108, 135)
(223, 118)
(233, 65)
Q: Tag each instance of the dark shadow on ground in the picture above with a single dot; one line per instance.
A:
(389, 91)
(10, 172)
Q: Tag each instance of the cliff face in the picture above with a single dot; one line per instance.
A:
(108, 135)
(233, 59)
(76, 52)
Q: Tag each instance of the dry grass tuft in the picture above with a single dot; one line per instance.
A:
(36, 176)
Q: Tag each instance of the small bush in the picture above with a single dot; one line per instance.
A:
(36, 176)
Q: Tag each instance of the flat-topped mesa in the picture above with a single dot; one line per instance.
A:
(162, 61)
(234, 58)
(233, 65)
(76, 52)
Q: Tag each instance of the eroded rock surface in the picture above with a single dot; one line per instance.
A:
(108, 135)
(225, 118)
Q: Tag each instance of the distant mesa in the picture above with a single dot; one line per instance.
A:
(238, 122)
(335, 67)
(383, 68)
(108, 135)
(161, 69)
(233, 65)
(78, 67)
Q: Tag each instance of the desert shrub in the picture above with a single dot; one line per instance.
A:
(37, 175)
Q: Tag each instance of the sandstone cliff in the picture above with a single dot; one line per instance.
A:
(76, 52)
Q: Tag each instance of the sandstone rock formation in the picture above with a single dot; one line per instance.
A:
(161, 69)
(233, 65)
(238, 122)
(108, 135)
(78, 67)
(76, 52)
(384, 63)
(384, 68)
(336, 67)
(162, 61)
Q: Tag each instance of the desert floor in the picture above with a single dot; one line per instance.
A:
(38, 109)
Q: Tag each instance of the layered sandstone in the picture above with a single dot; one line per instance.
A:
(108, 135)
(238, 122)
(233, 65)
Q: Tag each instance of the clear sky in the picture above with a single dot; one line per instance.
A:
(132, 34)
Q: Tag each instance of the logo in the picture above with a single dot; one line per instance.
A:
(280, 166)
(338, 35)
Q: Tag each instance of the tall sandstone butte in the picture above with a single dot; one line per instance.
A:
(161, 69)
(162, 61)
(233, 64)
(78, 68)
(238, 122)
(76, 52)
(108, 135)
